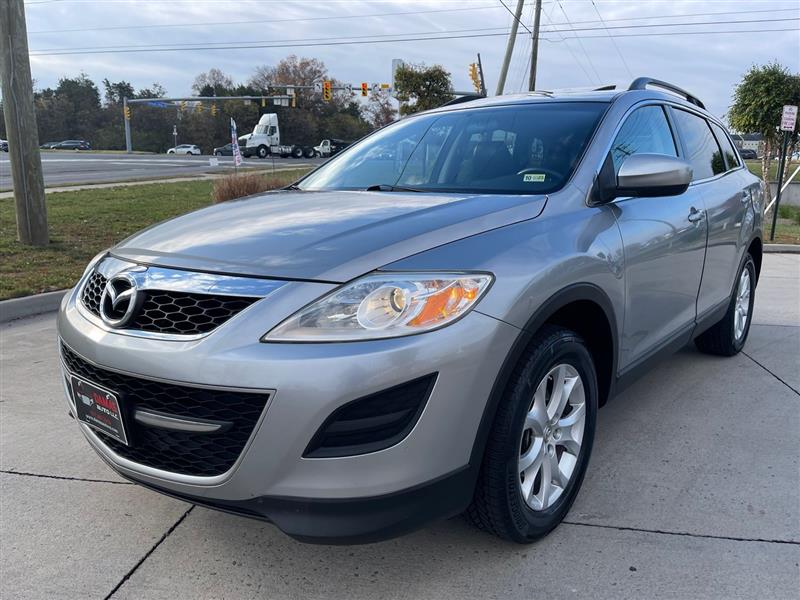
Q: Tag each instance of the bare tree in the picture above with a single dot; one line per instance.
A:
(213, 83)
(379, 110)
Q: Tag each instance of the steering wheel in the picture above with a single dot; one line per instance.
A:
(553, 174)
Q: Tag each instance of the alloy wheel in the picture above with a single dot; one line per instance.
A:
(552, 437)
(742, 309)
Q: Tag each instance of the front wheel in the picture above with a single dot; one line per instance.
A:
(263, 151)
(728, 336)
(541, 439)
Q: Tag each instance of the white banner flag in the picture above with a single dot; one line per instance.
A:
(237, 155)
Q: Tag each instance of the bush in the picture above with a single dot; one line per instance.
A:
(231, 187)
(789, 212)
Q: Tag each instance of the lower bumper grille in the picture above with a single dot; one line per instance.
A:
(187, 453)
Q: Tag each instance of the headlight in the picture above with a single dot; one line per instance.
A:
(383, 306)
(93, 263)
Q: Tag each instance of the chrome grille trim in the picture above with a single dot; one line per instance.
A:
(150, 278)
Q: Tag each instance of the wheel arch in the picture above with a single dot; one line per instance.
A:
(756, 250)
(586, 309)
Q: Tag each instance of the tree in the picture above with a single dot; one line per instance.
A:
(379, 110)
(291, 71)
(213, 83)
(421, 88)
(115, 92)
(758, 103)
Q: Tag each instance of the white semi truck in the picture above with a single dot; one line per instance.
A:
(266, 140)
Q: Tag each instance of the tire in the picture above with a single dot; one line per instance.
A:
(262, 152)
(728, 335)
(217, 153)
(297, 152)
(498, 505)
(308, 153)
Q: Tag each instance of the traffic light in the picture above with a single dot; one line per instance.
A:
(127, 112)
(365, 89)
(213, 110)
(199, 108)
(326, 91)
(473, 75)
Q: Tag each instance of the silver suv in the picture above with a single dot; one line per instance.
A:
(425, 325)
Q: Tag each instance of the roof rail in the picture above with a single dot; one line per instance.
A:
(605, 88)
(464, 98)
(641, 83)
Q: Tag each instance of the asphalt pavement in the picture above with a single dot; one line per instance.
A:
(693, 492)
(74, 167)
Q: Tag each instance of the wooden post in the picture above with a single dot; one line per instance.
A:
(20, 118)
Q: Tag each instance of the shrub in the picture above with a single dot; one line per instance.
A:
(787, 211)
(231, 187)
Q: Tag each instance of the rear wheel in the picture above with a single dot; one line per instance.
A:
(541, 440)
(297, 152)
(308, 153)
(728, 336)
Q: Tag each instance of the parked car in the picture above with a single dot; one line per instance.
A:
(748, 154)
(72, 145)
(425, 325)
(185, 149)
(4, 145)
(226, 150)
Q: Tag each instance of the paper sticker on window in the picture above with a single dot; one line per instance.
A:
(533, 177)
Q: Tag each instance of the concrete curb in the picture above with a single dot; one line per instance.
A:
(18, 308)
(787, 248)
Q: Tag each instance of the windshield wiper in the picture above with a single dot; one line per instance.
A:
(385, 187)
(292, 186)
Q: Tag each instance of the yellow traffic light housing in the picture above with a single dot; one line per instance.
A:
(365, 89)
(327, 92)
(127, 112)
(475, 77)
(213, 110)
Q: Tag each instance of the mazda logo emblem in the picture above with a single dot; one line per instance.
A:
(119, 300)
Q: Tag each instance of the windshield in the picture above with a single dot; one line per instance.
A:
(523, 149)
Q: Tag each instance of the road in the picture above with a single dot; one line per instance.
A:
(66, 168)
(693, 492)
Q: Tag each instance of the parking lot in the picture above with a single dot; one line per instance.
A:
(70, 168)
(693, 491)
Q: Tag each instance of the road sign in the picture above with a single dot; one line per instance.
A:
(385, 88)
(376, 88)
(364, 88)
(348, 87)
(290, 90)
(789, 118)
(174, 130)
(318, 87)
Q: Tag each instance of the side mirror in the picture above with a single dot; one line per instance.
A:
(643, 175)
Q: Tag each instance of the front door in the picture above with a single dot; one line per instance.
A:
(664, 243)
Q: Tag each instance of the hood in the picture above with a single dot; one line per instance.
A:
(321, 236)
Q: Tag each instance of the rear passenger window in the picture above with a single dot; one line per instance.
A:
(646, 130)
(731, 157)
(702, 149)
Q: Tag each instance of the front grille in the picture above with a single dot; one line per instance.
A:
(373, 422)
(92, 292)
(164, 311)
(202, 454)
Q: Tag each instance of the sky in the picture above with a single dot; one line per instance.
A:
(584, 43)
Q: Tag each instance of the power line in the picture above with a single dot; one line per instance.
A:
(613, 41)
(580, 43)
(511, 12)
(335, 17)
(416, 39)
(377, 37)
(568, 47)
(259, 21)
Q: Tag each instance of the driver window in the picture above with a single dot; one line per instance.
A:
(645, 131)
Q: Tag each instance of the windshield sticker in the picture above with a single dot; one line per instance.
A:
(533, 177)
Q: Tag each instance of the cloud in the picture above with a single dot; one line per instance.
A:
(709, 65)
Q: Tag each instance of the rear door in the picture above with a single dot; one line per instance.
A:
(726, 198)
(664, 243)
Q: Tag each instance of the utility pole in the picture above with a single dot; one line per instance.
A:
(512, 37)
(20, 118)
(537, 16)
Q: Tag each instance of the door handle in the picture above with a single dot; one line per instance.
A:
(695, 215)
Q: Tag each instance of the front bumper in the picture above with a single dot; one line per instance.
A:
(351, 498)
